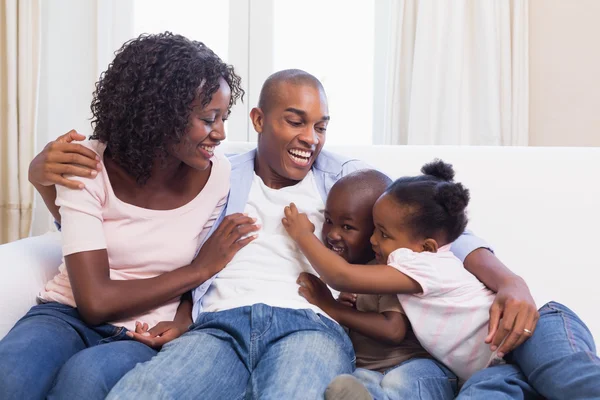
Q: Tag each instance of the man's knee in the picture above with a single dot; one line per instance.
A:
(323, 347)
(503, 381)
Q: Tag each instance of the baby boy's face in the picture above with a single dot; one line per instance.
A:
(348, 227)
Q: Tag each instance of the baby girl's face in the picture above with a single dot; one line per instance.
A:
(391, 229)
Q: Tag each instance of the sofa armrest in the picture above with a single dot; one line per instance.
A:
(26, 265)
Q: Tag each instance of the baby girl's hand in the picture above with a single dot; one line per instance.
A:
(296, 224)
(161, 334)
(347, 299)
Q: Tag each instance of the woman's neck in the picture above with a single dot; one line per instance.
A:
(168, 173)
(171, 184)
(164, 173)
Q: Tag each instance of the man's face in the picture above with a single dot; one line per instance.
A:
(291, 131)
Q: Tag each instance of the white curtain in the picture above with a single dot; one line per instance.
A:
(19, 75)
(457, 73)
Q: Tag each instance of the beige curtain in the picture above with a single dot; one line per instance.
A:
(457, 73)
(19, 76)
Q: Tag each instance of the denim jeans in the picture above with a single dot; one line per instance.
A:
(558, 361)
(249, 352)
(419, 378)
(52, 353)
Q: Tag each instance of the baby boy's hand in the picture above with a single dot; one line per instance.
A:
(296, 224)
(315, 291)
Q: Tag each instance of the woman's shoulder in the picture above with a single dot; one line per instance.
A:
(221, 166)
(96, 186)
(94, 145)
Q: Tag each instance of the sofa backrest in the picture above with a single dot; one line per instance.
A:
(538, 207)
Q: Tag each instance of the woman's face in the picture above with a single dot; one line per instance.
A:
(205, 130)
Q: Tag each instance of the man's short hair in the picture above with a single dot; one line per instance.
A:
(269, 91)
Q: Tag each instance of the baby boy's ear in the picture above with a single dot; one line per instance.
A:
(430, 245)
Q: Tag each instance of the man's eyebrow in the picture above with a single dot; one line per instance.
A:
(296, 111)
(302, 113)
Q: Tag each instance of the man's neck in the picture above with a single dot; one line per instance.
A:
(270, 177)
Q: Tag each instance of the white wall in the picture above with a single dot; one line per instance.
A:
(564, 73)
(67, 73)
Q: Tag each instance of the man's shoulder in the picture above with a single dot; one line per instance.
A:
(240, 161)
(335, 164)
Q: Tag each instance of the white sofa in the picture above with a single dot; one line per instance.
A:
(538, 207)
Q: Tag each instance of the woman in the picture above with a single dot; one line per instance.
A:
(132, 228)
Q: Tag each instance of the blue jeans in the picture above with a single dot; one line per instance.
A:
(249, 352)
(418, 378)
(558, 361)
(52, 353)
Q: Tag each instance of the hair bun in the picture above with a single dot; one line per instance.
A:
(454, 197)
(439, 169)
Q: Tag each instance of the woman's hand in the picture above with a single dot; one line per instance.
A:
(232, 235)
(315, 291)
(158, 336)
(62, 157)
(296, 224)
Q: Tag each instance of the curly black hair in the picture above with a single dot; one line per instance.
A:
(438, 202)
(142, 102)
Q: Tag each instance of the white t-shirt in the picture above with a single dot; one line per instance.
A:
(450, 318)
(266, 270)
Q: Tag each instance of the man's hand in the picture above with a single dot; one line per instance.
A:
(513, 314)
(296, 224)
(316, 292)
(161, 334)
(347, 299)
(61, 157)
(513, 317)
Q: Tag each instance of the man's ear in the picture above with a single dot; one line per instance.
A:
(430, 245)
(258, 119)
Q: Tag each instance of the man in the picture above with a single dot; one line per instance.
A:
(256, 336)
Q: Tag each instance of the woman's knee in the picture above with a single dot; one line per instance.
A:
(83, 376)
(33, 352)
(92, 373)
